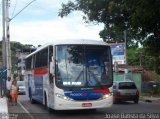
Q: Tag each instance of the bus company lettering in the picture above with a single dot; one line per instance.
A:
(85, 94)
(76, 94)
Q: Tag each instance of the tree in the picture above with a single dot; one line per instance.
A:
(109, 12)
(131, 53)
(140, 18)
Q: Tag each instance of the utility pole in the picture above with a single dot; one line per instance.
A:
(3, 45)
(8, 48)
(6, 37)
(6, 53)
(125, 40)
(126, 64)
(4, 32)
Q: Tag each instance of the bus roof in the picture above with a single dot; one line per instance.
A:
(66, 42)
(75, 41)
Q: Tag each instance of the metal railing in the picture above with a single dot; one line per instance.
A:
(2, 85)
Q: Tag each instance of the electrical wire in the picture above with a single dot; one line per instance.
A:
(22, 9)
(14, 8)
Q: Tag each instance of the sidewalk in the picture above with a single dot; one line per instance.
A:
(150, 99)
(3, 108)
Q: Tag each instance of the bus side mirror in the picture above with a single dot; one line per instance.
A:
(52, 58)
(52, 66)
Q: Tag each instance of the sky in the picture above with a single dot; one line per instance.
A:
(39, 23)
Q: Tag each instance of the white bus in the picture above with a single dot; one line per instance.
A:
(71, 75)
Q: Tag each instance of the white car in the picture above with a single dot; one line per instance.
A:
(21, 87)
(125, 91)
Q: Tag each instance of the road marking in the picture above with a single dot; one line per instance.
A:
(26, 110)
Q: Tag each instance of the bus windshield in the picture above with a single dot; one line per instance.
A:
(83, 66)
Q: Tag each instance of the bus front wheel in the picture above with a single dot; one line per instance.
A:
(46, 104)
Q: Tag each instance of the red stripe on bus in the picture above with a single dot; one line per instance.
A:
(106, 90)
(40, 71)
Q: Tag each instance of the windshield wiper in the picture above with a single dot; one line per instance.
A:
(72, 86)
(96, 79)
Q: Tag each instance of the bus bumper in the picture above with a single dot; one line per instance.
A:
(61, 104)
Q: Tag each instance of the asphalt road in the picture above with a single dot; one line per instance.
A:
(126, 110)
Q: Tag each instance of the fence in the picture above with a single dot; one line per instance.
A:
(151, 88)
(2, 86)
(3, 78)
(136, 77)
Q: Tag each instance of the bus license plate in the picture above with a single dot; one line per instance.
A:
(86, 104)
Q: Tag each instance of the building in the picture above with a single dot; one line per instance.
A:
(20, 62)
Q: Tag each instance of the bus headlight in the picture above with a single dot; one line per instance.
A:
(107, 95)
(63, 97)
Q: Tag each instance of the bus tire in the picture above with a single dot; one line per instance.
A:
(46, 105)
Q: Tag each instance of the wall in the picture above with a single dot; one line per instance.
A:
(136, 77)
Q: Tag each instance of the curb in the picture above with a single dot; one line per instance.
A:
(4, 108)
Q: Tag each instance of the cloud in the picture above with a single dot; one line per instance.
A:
(39, 24)
(41, 32)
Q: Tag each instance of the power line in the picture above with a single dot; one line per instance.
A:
(14, 8)
(22, 10)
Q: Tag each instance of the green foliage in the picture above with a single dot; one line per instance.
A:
(112, 13)
(132, 60)
(137, 57)
(152, 45)
(140, 18)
